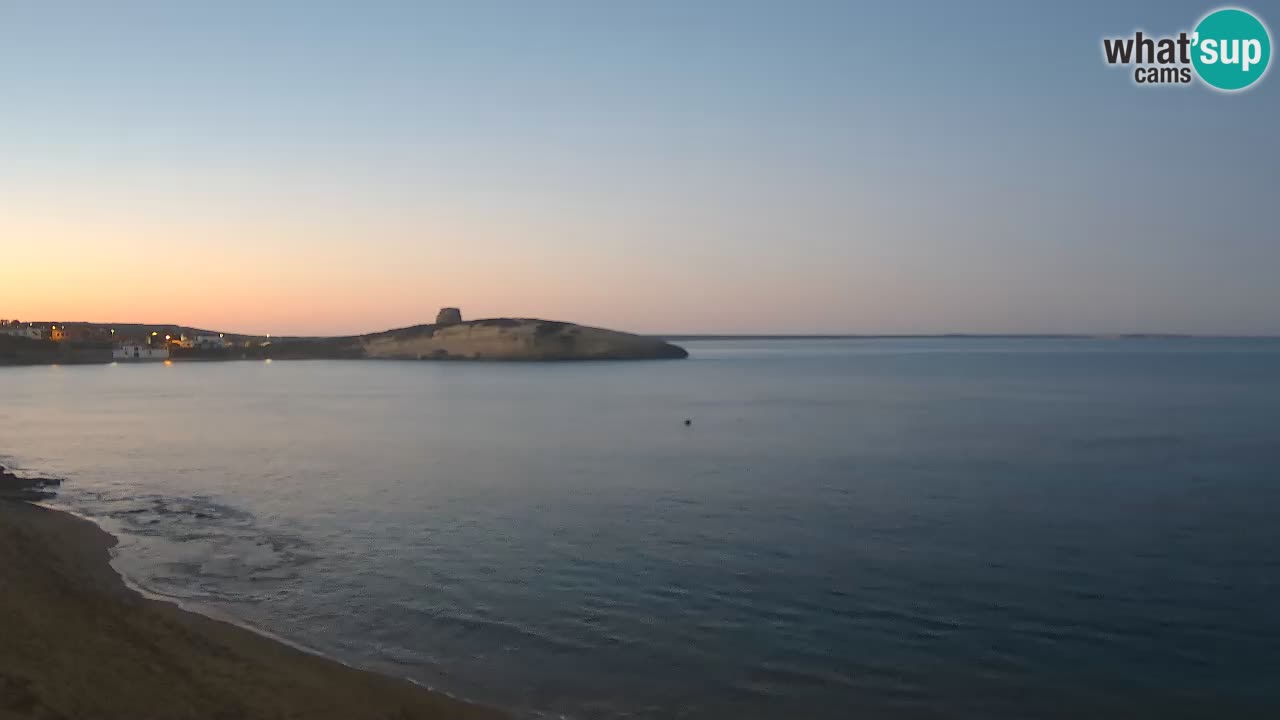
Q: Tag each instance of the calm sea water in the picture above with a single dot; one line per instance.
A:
(864, 528)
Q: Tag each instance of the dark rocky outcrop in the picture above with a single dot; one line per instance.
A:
(13, 487)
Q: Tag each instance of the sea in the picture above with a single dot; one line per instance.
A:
(829, 528)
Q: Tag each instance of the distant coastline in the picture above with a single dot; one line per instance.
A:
(448, 338)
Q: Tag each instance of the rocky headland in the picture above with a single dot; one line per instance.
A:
(513, 339)
(448, 338)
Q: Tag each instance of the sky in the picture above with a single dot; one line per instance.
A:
(658, 167)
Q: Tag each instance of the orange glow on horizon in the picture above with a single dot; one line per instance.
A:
(292, 277)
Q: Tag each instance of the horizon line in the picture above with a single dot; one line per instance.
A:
(742, 335)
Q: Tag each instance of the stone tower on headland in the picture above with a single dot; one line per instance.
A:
(449, 316)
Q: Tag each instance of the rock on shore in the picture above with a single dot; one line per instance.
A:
(13, 487)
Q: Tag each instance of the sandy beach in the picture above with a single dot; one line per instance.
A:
(75, 642)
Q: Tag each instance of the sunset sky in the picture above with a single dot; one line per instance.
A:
(297, 168)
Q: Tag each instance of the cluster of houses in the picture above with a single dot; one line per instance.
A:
(31, 331)
(155, 348)
(125, 345)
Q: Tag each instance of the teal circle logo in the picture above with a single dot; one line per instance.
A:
(1231, 49)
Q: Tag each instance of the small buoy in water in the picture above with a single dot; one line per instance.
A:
(687, 422)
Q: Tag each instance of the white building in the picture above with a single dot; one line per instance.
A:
(140, 352)
(211, 341)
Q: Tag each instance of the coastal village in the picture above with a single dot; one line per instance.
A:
(92, 342)
(448, 338)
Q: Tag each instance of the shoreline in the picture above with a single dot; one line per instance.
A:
(80, 640)
(205, 611)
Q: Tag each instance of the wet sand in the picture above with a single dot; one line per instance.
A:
(76, 643)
